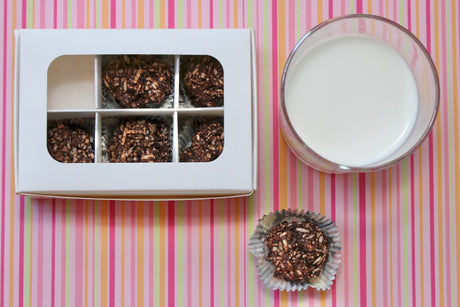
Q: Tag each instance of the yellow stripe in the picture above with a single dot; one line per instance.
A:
(122, 268)
(104, 244)
(200, 253)
(140, 252)
(436, 35)
(237, 251)
(105, 14)
(162, 252)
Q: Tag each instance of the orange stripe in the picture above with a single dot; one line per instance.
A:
(456, 136)
(105, 14)
(162, 251)
(87, 17)
(235, 14)
(373, 271)
(200, 253)
(282, 144)
(122, 268)
(439, 164)
(420, 167)
(104, 244)
(199, 13)
(123, 25)
(237, 251)
(12, 192)
(140, 252)
(140, 14)
(86, 251)
(163, 13)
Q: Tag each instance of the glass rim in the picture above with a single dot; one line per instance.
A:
(374, 167)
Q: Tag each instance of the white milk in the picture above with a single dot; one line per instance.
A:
(352, 99)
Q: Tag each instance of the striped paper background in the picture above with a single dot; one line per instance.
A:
(400, 227)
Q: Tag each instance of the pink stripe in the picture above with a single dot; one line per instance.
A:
(171, 257)
(362, 239)
(245, 245)
(331, 8)
(24, 14)
(275, 127)
(334, 286)
(79, 252)
(151, 252)
(359, 6)
(113, 14)
(21, 251)
(211, 14)
(63, 240)
(171, 12)
(412, 213)
(133, 256)
(431, 175)
(229, 278)
(386, 249)
(55, 14)
(53, 250)
(189, 251)
(211, 271)
(112, 254)
(346, 246)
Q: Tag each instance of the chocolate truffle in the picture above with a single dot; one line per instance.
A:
(140, 140)
(207, 143)
(135, 81)
(68, 144)
(297, 251)
(204, 81)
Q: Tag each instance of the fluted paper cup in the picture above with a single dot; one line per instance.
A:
(265, 268)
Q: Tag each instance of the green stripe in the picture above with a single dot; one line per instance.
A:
(97, 214)
(68, 251)
(156, 259)
(352, 7)
(98, 22)
(179, 252)
(180, 14)
(27, 249)
(30, 13)
(221, 247)
(157, 14)
(69, 13)
(249, 22)
(221, 17)
(355, 238)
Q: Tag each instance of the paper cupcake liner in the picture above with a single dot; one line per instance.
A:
(109, 124)
(265, 268)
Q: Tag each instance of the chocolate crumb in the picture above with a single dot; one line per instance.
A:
(298, 251)
(68, 144)
(204, 81)
(135, 81)
(140, 140)
(207, 143)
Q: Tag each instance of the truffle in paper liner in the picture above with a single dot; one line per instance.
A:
(265, 268)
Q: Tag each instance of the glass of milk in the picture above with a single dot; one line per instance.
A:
(358, 93)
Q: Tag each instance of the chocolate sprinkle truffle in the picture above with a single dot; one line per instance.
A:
(207, 143)
(297, 251)
(140, 140)
(135, 81)
(67, 144)
(204, 81)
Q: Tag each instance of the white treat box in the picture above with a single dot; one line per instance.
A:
(78, 95)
